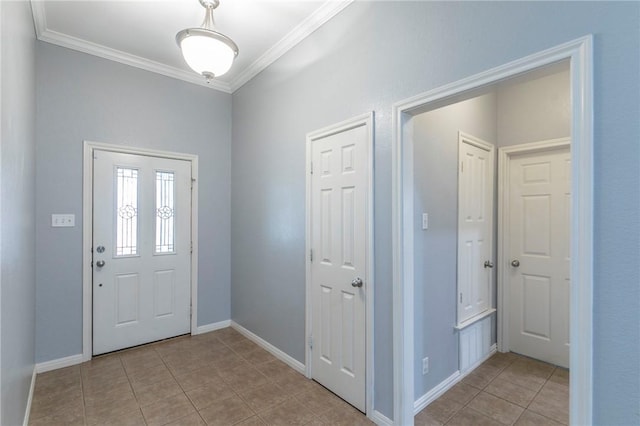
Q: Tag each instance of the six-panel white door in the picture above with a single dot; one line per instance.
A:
(338, 234)
(539, 282)
(475, 226)
(141, 249)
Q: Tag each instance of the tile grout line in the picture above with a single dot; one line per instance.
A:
(542, 387)
(529, 403)
(233, 390)
(490, 381)
(135, 395)
(84, 407)
(482, 390)
(496, 396)
(181, 388)
(269, 380)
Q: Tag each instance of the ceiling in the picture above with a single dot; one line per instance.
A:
(142, 33)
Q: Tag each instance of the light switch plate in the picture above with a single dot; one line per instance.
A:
(63, 220)
(425, 220)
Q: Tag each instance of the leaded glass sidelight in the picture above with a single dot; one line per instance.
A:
(165, 217)
(126, 211)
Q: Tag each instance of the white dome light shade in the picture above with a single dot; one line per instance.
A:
(207, 52)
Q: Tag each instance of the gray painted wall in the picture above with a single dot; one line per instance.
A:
(435, 138)
(17, 212)
(82, 97)
(535, 110)
(376, 53)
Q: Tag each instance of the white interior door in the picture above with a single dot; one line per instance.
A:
(475, 226)
(141, 249)
(539, 282)
(339, 282)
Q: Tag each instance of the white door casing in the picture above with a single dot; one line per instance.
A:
(476, 173)
(537, 279)
(339, 279)
(579, 53)
(142, 249)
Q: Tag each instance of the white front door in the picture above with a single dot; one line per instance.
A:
(339, 221)
(475, 226)
(141, 249)
(538, 282)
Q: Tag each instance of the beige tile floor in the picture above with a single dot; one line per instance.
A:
(507, 389)
(222, 378)
(218, 378)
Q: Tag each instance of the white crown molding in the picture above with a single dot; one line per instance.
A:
(314, 21)
(39, 17)
(64, 40)
(129, 59)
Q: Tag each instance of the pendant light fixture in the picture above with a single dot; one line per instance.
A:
(205, 50)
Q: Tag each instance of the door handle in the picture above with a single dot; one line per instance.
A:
(515, 263)
(488, 264)
(100, 263)
(357, 282)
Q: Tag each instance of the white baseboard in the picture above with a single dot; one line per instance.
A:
(27, 411)
(212, 327)
(55, 364)
(287, 359)
(380, 419)
(449, 382)
(436, 392)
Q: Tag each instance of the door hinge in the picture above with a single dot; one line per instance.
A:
(460, 297)
(312, 167)
(311, 342)
(192, 180)
(191, 247)
(311, 255)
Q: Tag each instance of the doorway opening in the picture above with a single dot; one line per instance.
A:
(152, 257)
(408, 357)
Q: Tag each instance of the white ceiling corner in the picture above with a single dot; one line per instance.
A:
(314, 21)
(259, 57)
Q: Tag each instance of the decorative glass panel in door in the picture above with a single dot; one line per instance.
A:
(165, 217)
(126, 211)
(141, 209)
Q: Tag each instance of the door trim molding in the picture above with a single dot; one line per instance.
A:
(579, 52)
(87, 231)
(504, 160)
(358, 121)
(473, 141)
